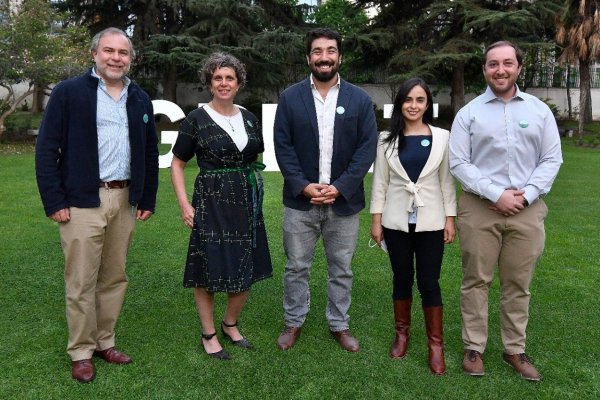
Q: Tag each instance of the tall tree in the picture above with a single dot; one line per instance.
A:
(579, 33)
(99, 14)
(37, 50)
(173, 37)
(342, 16)
(443, 40)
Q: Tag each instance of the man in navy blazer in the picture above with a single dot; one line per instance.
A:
(325, 139)
(97, 172)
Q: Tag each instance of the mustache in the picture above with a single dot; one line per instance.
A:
(324, 63)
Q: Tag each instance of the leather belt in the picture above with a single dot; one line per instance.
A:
(115, 184)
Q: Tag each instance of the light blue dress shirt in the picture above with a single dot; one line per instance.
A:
(497, 145)
(114, 153)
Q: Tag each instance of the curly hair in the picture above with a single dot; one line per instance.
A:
(222, 60)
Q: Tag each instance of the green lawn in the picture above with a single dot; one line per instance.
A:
(159, 327)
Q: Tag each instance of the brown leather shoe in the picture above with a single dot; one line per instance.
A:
(288, 337)
(346, 340)
(523, 365)
(473, 363)
(113, 356)
(83, 370)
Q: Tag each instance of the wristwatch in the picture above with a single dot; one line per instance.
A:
(525, 202)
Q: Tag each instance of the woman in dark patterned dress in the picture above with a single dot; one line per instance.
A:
(228, 248)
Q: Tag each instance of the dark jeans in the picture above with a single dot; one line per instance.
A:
(427, 248)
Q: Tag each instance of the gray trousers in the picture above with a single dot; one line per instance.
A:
(301, 230)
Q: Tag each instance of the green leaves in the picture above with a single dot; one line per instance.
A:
(39, 49)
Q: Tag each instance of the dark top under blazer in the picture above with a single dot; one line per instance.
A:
(67, 166)
(296, 138)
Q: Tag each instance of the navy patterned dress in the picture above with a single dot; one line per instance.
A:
(228, 249)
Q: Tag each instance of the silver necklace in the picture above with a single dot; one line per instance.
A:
(228, 119)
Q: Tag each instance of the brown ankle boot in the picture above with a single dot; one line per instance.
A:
(402, 318)
(435, 339)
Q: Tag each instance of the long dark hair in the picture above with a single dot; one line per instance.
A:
(397, 124)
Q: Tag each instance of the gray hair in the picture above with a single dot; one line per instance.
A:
(222, 60)
(110, 31)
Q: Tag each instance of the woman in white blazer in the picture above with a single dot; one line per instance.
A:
(413, 205)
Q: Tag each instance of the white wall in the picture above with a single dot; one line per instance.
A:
(558, 96)
(189, 95)
(380, 95)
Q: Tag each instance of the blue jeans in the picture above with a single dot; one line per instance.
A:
(301, 230)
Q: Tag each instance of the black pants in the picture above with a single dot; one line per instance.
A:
(427, 248)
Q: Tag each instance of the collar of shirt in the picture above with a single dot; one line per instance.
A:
(489, 95)
(312, 81)
(102, 84)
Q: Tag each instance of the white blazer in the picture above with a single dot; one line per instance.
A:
(393, 194)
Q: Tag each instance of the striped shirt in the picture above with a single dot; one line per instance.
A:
(114, 153)
(325, 120)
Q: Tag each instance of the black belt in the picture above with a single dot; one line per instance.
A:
(115, 184)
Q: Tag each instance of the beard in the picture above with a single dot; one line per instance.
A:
(324, 76)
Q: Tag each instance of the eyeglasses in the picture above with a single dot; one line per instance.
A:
(373, 244)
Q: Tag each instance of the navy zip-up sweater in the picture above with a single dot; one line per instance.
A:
(67, 167)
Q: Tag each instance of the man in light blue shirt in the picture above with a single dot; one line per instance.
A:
(505, 151)
(97, 172)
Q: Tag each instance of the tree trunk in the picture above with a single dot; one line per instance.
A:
(457, 91)
(585, 90)
(12, 109)
(393, 90)
(37, 103)
(169, 84)
(584, 95)
(569, 102)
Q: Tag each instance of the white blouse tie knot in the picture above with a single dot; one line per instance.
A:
(414, 198)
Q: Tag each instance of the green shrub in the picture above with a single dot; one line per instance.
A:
(22, 122)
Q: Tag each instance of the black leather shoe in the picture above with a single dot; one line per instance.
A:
(219, 355)
(243, 343)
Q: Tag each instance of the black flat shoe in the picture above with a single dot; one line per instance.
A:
(243, 343)
(219, 355)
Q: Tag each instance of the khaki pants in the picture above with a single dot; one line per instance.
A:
(515, 245)
(95, 243)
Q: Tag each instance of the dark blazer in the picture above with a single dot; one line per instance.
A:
(66, 154)
(296, 138)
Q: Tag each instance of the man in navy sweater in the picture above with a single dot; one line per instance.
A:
(97, 172)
